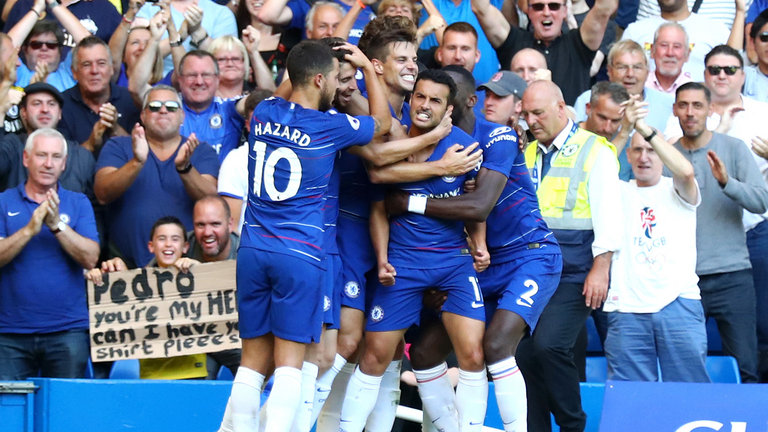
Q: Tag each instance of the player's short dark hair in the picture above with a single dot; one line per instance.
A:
(725, 50)
(168, 220)
(617, 92)
(465, 85)
(46, 26)
(694, 86)
(306, 59)
(440, 77)
(382, 31)
(199, 54)
(332, 43)
(462, 27)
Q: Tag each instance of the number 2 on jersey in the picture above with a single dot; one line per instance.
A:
(264, 171)
(526, 297)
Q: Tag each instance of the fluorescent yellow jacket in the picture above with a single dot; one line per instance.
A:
(563, 195)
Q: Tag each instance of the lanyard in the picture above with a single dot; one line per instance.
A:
(538, 164)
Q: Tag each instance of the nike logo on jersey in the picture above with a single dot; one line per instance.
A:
(13, 213)
(476, 305)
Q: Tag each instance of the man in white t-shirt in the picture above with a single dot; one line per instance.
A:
(654, 304)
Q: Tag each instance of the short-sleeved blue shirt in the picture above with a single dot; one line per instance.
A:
(290, 160)
(515, 225)
(419, 241)
(42, 289)
(157, 191)
(300, 9)
(219, 125)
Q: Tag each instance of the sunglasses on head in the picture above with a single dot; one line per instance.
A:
(171, 105)
(729, 70)
(39, 44)
(538, 7)
(763, 37)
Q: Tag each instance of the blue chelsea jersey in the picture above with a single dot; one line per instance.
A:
(292, 151)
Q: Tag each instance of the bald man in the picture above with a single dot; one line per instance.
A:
(586, 223)
(530, 65)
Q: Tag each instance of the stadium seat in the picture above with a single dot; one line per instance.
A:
(723, 369)
(125, 369)
(224, 374)
(596, 369)
(594, 346)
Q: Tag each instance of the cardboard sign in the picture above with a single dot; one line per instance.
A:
(156, 312)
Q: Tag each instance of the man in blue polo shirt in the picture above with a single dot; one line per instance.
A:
(154, 173)
(95, 109)
(44, 325)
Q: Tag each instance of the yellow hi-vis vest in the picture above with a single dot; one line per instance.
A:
(562, 193)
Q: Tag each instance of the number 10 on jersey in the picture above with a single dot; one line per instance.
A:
(264, 171)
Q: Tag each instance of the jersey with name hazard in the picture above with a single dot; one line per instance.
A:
(418, 241)
(291, 155)
(515, 225)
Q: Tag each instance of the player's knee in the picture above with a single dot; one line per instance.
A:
(374, 362)
(423, 357)
(472, 358)
(497, 348)
(348, 342)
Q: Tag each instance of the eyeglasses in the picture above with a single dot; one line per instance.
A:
(229, 60)
(39, 44)
(729, 70)
(206, 76)
(156, 105)
(538, 7)
(763, 37)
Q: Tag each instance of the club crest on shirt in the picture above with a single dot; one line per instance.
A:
(352, 289)
(449, 179)
(64, 218)
(215, 121)
(326, 303)
(377, 313)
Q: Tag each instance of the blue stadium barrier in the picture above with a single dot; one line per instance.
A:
(596, 369)
(224, 374)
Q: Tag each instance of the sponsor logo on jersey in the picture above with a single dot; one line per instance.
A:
(449, 179)
(215, 121)
(377, 313)
(499, 131)
(352, 289)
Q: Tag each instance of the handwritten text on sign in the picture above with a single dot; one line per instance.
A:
(158, 312)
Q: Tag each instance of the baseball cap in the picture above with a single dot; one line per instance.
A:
(42, 87)
(505, 83)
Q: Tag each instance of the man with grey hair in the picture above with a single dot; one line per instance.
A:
(154, 173)
(322, 19)
(95, 109)
(293, 14)
(44, 326)
(669, 52)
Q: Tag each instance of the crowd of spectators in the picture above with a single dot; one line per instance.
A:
(118, 114)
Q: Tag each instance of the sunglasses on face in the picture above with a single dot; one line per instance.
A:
(171, 105)
(763, 37)
(538, 7)
(729, 70)
(39, 44)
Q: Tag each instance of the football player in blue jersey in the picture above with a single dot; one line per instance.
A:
(525, 257)
(292, 151)
(414, 253)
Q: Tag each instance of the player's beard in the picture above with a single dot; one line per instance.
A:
(326, 101)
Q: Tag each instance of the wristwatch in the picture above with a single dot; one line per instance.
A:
(61, 226)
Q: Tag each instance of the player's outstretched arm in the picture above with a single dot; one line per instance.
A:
(455, 162)
(475, 206)
(378, 104)
(379, 227)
